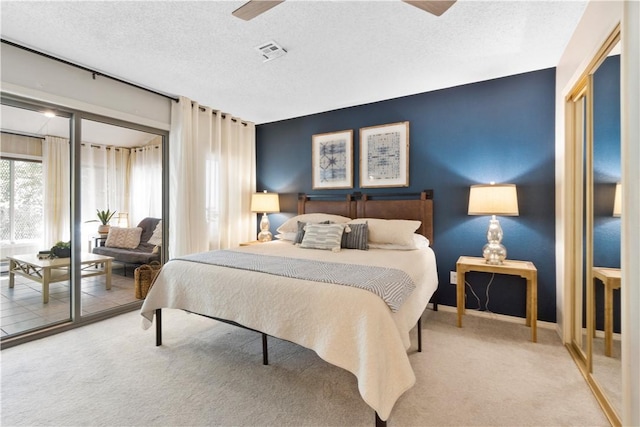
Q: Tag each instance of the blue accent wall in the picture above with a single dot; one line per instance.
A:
(500, 130)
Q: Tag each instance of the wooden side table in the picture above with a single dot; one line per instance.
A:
(96, 241)
(611, 279)
(253, 242)
(524, 269)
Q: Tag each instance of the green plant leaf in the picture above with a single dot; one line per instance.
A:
(105, 216)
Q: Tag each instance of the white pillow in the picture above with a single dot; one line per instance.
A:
(419, 242)
(286, 236)
(291, 225)
(323, 236)
(156, 238)
(393, 231)
(126, 238)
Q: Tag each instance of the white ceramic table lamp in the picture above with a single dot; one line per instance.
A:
(493, 199)
(265, 203)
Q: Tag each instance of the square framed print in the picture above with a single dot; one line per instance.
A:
(332, 159)
(384, 155)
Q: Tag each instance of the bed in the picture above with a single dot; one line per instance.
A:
(354, 328)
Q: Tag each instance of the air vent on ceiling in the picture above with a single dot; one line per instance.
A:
(270, 50)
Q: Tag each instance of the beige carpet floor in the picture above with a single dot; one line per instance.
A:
(207, 373)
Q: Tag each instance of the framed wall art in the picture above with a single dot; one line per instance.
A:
(332, 159)
(384, 155)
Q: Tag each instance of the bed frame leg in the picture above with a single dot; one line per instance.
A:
(265, 350)
(158, 327)
(379, 422)
(420, 335)
(434, 300)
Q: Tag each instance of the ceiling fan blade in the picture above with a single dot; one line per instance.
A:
(436, 7)
(253, 8)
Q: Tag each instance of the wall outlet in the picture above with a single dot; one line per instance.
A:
(453, 277)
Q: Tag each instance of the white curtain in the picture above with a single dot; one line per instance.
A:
(93, 169)
(57, 198)
(212, 177)
(104, 183)
(232, 180)
(146, 182)
(119, 169)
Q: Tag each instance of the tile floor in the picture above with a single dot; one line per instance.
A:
(21, 308)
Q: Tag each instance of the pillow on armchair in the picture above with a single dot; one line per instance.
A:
(121, 237)
(156, 237)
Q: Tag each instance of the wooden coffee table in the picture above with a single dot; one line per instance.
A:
(48, 271)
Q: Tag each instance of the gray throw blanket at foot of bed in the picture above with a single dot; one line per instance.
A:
(392, 285)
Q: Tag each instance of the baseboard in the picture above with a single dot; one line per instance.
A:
(496, 316)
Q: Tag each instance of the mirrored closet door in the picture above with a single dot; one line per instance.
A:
(606, 366)
(593, 130)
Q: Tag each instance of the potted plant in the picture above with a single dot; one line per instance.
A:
(103, 217)
(61, 250)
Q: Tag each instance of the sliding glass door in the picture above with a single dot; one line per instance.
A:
(121, 189)
(81, 203)
(35, 216)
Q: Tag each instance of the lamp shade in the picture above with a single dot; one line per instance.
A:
(493, 199)
(265, 202)
(123, 219)
(617, 201)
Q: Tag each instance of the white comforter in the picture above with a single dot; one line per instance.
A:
(346, 326)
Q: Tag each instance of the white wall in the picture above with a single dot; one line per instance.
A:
(599, 20)
(36, 77)
(631, 217)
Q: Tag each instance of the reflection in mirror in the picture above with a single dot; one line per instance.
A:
(121, 173)
(35, 215)
(606, 362)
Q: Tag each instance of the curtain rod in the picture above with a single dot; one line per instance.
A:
(20, 133)
(223, 115)
(94, 73)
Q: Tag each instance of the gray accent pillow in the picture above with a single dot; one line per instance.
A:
(300, 233)
(357, 238)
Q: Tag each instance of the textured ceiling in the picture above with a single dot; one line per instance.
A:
(340, 54)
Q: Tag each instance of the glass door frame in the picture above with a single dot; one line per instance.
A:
(75, 137)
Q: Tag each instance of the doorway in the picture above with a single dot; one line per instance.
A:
(63, 168)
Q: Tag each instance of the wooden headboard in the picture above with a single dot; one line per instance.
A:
(413, 206)
(327, 204)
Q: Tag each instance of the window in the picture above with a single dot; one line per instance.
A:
(21, 200)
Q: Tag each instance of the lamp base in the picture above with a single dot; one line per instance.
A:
(494, 253)
(264, 235)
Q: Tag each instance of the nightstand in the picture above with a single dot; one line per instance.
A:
(611, 279)
(524, 269)
(253, 242)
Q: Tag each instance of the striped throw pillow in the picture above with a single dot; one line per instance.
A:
(357, 238)
(323, 236)
(300, 233)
